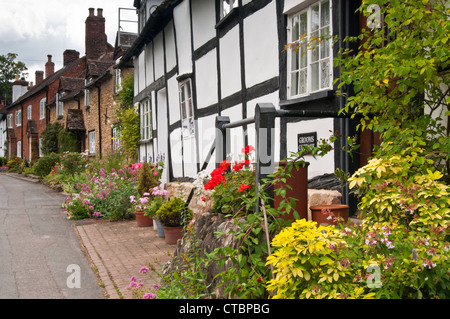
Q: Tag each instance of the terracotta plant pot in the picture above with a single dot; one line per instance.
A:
(320, 213)
(142, 220)
(299, 183)
(172, 234)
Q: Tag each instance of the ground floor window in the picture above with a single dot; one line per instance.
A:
(92, 142)
(146, 119)
(187, 109)
(19, 149)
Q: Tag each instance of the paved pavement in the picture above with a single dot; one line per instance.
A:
(37, 244)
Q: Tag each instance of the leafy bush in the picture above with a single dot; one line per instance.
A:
(171, 214)
(45, 164)
(71, 163)
(68, 142)
(149, 177)
(49, 137)
(309, 263)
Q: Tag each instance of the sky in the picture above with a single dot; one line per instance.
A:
(35, 28)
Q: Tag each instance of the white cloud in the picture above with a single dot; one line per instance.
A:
(35, 28)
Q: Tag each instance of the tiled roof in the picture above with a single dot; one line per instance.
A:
(47, 81)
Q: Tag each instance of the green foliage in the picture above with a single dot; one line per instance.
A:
(71, 163)
(174, 213)
(149, 177)
(50, 138)
(45, 164)
(128, 117)
(68, 141)
(8, 70)
(397, 76)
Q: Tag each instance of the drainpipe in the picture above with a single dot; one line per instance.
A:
(99, 120)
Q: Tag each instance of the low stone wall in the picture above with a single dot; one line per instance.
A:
(207, 223)
(201, 204)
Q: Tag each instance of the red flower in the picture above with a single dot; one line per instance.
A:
(224, 165)
(247, 149)
(216, 177)
(259, 279)
(243, 187)
(203, 198)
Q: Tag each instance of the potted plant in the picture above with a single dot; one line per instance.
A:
(141, 207)
(158, 199)
(173, 215)
(329, 214)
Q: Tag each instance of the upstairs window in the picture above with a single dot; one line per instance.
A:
(59, 106)
(19, 118)
(42, 109)
(87, 94)
(29, 113)
(226, 6)
(310, 59)
(10, 120)
(187, 109)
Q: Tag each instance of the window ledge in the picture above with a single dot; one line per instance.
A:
(323, 95)
(226, 19)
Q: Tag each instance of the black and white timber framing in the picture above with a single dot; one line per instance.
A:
(232, 62)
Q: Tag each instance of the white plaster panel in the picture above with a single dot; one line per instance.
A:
(230, 63)
(163, 130)
(183, 37)
(261, 45)
(236, 134)
(158, 51)
(320, 165)
(175, 148)
(203, 21)
(171, 59)
(206, 79)
(174, 100)
(149, 63)
(142, 83)
(190, 157)
(206, 129)
(136, 76)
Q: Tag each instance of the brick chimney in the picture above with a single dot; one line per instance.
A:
(95, 40)
(70, 56)
(49, 66)
(39, 76)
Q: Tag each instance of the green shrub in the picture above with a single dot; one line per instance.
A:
(71, 163)
(49, 137)
(45, 164)
(170, 214)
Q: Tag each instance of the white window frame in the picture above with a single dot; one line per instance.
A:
(87, 94)
(145, 113)
(29, 112)
(115, 137)
(186, 109)
(19, 149)
(118, 80)
(42, 108)
(92, 143)
(18, 118)
(226, 6)
(59, 106)
(40, 147)
(313, 58)
(10, 119)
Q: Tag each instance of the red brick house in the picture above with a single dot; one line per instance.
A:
(34, 107)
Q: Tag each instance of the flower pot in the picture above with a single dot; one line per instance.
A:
(173, 234)
(155, 226)
(160, 228)
(299, 183)
(142, 220)
(320, 213)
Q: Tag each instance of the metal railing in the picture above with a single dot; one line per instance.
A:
(264, 120)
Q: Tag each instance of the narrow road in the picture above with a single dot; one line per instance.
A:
(40, 256)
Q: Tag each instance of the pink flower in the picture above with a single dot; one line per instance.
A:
(143, 200)
(143, 270)
(155, 173)
(149, 295)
